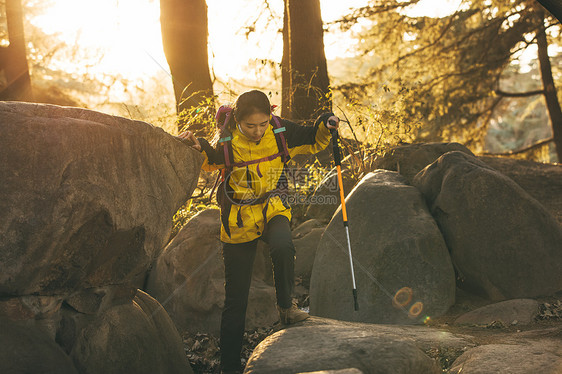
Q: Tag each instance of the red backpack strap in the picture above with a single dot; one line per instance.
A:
(226, 136)
(280, 138)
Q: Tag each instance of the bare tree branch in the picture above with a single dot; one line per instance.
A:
(522, 150)
(518, 94)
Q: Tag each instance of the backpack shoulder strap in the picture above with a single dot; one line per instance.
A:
(279, 132)
(225, 112)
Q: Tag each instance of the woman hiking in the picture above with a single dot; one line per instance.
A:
(253, 150)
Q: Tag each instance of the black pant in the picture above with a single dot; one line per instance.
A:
(238, 264)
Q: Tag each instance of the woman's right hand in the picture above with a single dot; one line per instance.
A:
(189, 135)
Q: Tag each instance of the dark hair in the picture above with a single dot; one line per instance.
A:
(251, 102)
(248, 103)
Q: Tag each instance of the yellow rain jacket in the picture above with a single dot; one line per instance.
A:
(244, 223)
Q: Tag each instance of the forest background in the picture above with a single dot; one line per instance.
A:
(485, 73)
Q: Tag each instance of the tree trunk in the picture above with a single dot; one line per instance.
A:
(14, 57)
(551, 98)
(554, 7)
(286, 94)
(306, 85)
(184, 36)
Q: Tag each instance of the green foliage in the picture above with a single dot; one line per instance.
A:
(199, 119)
(441, 73)
(189, 209)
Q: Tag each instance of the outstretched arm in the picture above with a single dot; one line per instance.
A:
(213, 158)
(309, 139)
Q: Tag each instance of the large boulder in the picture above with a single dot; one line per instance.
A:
(33, 311)
(402, 267)
(503, 243)
(87, 198)
(306, 227)
(306, 238)
(26, 349)
(188, 279)
(326, 197)
(509, 312)
(523, 358)
(409, 159)
(84, 307)
(541, 181)
(322, 344)
(137, 337)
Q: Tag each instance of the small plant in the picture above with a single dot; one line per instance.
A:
(199, 119)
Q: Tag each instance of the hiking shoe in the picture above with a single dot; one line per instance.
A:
(291, 315)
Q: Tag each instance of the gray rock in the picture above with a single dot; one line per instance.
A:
(304, 228)
(322, 344)
(29, 307)
(132, 338)
(84, 307)
(541, 181)
(34, 312)
(530, 358)
(99, 299)
(509, 312)
(409, 159)
(26, 349)
(402, 266)
(306, 238)
(326, 197)
(71, 325)
(291, 351)
(342, 371)
(87, 301)
(87, 198)
(503, 243)
(188, 280)
(306, 252)
(169, 341)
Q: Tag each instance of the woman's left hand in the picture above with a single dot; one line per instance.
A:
(333, 122)
(190, 136)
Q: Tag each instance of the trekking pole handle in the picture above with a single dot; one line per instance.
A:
(336, 148)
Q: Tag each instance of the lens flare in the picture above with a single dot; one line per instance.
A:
(415, 309)
(402, 297)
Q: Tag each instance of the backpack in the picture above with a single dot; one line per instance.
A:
(223, 117)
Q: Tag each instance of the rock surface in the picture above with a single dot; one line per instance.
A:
(27, 349)
(409, 159)
(326, 198)
(509, 312)
(306, 252)
(322, 344)
(503, 243)
(342, 371)
(541, 181)
(306, 238)
(528, 358)
(137, 337)
(402, 266)
(188, 279)
(40, 312)
(306, 227)
(86, 197)
(87, 205)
